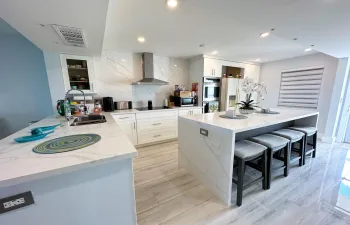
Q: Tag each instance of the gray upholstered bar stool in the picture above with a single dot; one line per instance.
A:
(274, 143)
(294, 136)
(309, 132)
(246, 151)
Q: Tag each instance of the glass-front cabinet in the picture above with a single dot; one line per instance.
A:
(78, 72)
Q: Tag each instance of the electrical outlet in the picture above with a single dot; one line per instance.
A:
(204, 132)
(16, 202)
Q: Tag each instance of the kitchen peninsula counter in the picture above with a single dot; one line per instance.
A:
(207, 142)
(81, 187)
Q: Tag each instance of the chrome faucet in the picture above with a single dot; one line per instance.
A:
(67, 107)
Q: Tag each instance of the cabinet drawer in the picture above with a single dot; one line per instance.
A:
(161, 114)
(156, 123)
(184, 112)
(156, 135)
(123, 117)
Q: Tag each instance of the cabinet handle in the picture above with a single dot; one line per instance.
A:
(214, 72)
(92, 86)
(123, 118)
(157, 135)
(134, 126)
(155, 124)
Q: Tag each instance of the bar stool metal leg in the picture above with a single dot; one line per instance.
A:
(286, 159)
(241, 165)
(314, 143)
(264, 170)
(302, 151)
(305, 145)
(269, 162)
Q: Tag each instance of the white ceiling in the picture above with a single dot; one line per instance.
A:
(26, 17)
(231, 27)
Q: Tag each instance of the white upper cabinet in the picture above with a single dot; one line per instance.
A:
(78, 72)
(212, 67)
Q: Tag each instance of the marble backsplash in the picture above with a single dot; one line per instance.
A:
(115, 72)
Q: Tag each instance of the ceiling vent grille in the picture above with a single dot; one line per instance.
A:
(71, 35)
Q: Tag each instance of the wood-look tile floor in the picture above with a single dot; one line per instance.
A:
(317, 193)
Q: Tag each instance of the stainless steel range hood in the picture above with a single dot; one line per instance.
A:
(148, 71)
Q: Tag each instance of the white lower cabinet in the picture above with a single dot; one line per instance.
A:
(156, 126)
(129, 127)
(150, 136)
(147, 127)
(185, 112)
(127, 123)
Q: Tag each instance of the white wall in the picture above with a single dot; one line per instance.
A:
(55, 77)
(336, 103)
(271, 76)
(116, 71)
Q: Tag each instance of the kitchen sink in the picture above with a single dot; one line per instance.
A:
(90, 119)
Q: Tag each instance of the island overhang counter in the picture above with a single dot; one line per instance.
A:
(207, 142)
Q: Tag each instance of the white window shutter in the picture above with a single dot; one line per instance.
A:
(301, 87)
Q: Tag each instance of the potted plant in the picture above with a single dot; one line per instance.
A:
(249, 87)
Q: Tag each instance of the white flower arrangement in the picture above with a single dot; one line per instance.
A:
(249, 87)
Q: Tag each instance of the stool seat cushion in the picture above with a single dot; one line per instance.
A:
(306, 130)
(292, 135)
(271, 141)
(248, 149)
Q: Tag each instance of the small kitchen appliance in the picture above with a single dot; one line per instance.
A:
(107, 104)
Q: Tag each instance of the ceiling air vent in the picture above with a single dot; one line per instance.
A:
(71, 35)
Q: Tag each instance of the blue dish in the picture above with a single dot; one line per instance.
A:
(31, 138)
(46, 128)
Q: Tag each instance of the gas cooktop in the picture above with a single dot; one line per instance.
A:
(154, 108)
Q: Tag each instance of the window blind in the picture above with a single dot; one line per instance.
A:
(300, 88)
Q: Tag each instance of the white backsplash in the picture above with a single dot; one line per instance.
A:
(116, 71)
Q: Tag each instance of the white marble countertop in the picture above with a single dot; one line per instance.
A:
(128, 111)
(255, 120)
(18, 163)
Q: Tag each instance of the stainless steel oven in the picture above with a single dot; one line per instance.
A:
(211, 89)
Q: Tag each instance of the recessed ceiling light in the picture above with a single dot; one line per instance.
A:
(264, 35)
(257, 60)
(141, 39)
(214, 52)
(171, 3)
(175, 65)
(308, 49)
(202, 45)
(123, 60)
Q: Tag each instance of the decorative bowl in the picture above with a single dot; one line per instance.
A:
(246, 111)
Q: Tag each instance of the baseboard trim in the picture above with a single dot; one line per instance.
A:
(155, 143)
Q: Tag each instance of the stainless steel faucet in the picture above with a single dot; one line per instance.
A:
(66, 108)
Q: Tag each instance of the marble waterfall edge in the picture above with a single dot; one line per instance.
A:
(210, 159)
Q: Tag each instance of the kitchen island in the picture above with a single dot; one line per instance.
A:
(207, 142)
(88, 186)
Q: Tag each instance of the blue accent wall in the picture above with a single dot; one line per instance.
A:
(24, 89)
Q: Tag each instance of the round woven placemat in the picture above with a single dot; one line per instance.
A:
(67, 143)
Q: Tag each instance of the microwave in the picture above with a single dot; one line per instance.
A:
(183, 101)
